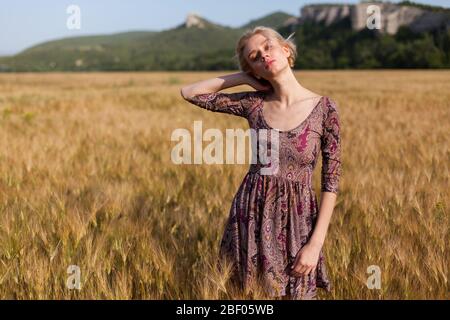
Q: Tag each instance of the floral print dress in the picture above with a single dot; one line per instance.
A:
(273, 215)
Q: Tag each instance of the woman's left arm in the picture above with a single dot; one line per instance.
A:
(331, 170)
(327, 203)
(308, 256)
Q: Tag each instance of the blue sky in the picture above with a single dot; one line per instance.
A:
(24, 23)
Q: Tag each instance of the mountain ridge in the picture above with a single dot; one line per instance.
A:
(199, 44)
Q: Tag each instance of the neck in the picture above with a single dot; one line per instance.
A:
(286, 89)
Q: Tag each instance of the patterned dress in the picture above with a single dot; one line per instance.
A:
(273, 215)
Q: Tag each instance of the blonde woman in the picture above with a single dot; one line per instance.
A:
(276, 229)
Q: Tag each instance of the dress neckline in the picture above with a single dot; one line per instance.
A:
(261, 107)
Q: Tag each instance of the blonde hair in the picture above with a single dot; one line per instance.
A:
(268, 33)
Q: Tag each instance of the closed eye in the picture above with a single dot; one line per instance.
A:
(266, 47)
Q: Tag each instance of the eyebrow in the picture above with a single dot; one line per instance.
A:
(254, 50)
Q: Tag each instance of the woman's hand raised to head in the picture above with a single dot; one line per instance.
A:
(258, 84)
(222, 82)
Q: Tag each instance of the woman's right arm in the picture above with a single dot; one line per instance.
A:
(219, 83)
(205, 94)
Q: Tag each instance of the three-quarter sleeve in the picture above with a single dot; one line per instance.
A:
(331, 148)
(232, 103)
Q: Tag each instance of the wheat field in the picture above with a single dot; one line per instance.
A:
(86, 179)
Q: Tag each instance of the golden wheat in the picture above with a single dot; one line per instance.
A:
(86, 179)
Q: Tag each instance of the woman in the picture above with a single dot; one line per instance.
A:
(275, 230)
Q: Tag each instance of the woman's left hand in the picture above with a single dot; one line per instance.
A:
(306, 259)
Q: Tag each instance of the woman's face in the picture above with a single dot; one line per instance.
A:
(265, 56)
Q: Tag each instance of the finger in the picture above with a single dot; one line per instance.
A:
(308, 271)
(295, 270)
(301, 268)
(296, 274)
(295, 263)
(304, 270)
(314, 270)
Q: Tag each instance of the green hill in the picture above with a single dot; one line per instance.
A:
(199, 44)
(274, 20)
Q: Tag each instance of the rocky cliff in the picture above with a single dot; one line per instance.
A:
(392, 16)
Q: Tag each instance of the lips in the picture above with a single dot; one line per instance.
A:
(269, 63)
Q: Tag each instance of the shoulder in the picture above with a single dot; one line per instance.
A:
(253, 99)
(252, 95)
(330, 112)
(247, 98)
(330, 115)
(330, 105)
(243, 96)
